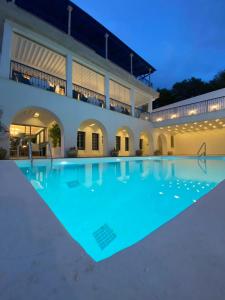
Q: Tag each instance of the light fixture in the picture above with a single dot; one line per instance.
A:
(205, 121)
(36, 115)
(174, 116)
(192, 112)
(217, 120)
(214, 107)
(93, 124)
(158, 119)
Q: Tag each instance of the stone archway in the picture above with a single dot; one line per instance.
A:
(92, 139)
(34, 124)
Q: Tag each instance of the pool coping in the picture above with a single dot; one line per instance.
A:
(183, 259)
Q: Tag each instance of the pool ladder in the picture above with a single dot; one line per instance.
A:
(31, 151)
(202, 150)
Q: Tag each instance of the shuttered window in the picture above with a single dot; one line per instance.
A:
(81, 140)
(95, 141)
(88, 78)
(119, 92)
(126, 143)
(118, 142)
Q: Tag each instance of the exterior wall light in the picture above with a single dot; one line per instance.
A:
(214, 107)
(159, 119)
(192, 112)
(36, 115)
(173, 116)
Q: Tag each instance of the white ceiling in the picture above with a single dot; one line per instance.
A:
(34, 55)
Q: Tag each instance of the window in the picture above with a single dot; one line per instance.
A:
(126, 143)
(95, 141)
(172, 141)
(81, 140)
(118, 143)
(141, 144)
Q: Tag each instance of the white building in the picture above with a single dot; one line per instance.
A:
(74, 72)
(60, 66)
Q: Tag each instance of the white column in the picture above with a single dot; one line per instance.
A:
(69, 77)
(6, 50)
(150, 106)
(70, 8)
(107, 95)
(132, 101)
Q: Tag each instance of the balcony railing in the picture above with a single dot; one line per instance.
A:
(188, 110)
(31, 76)
(89, 96)
(141, 114)
(120, 107)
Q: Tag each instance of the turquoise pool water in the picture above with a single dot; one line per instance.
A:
(109, 205)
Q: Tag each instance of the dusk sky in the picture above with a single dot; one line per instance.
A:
(179, 38)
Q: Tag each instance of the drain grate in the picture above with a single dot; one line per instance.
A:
(104, 236)
(73, 184)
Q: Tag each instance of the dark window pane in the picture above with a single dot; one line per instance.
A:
(126, 143)
(81, 140)
(118, 143)
(95, 141)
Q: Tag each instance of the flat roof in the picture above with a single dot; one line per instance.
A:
(88, 31)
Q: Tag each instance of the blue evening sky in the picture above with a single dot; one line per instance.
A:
(180, 38)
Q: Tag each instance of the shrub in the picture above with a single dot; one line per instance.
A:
(157, 152)
(72, 152)
(139, 152)
(114, 152)
(3, 153)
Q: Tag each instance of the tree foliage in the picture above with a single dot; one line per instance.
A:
(189, 88)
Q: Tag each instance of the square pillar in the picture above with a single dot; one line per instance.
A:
(6, 50)
(69, 75)
(150, 106)
(132, 102)
(107, 95)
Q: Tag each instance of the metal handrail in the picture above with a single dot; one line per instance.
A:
(34, 77)
(202, 154)
(203, 106)
(30, 152)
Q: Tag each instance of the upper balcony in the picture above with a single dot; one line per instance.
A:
(38, 66)
(70, 19)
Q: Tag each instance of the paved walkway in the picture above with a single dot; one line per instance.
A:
(184, 259)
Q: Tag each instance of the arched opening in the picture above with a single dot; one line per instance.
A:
(91, 139)
(124, 143)
(162, 144)
(40, 127)
(145, 143)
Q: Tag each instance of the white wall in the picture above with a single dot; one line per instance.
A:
(189, 143)
(71, 113)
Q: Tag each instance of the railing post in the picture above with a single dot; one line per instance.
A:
(69, 75)
(70, 9)
(6, 50)
(106, 45)
(131, 63)
(107, 95)
(132, 101)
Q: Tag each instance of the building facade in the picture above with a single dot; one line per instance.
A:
(48, 77)
(67, 81)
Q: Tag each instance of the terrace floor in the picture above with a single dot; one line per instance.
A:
(184, 259)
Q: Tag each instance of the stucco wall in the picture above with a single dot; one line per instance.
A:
(15, 97)
(189, 143)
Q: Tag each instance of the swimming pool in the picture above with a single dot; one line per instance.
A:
(107, 205)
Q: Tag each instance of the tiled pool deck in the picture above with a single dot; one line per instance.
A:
(184, 259)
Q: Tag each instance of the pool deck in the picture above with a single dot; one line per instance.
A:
(184, 259)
